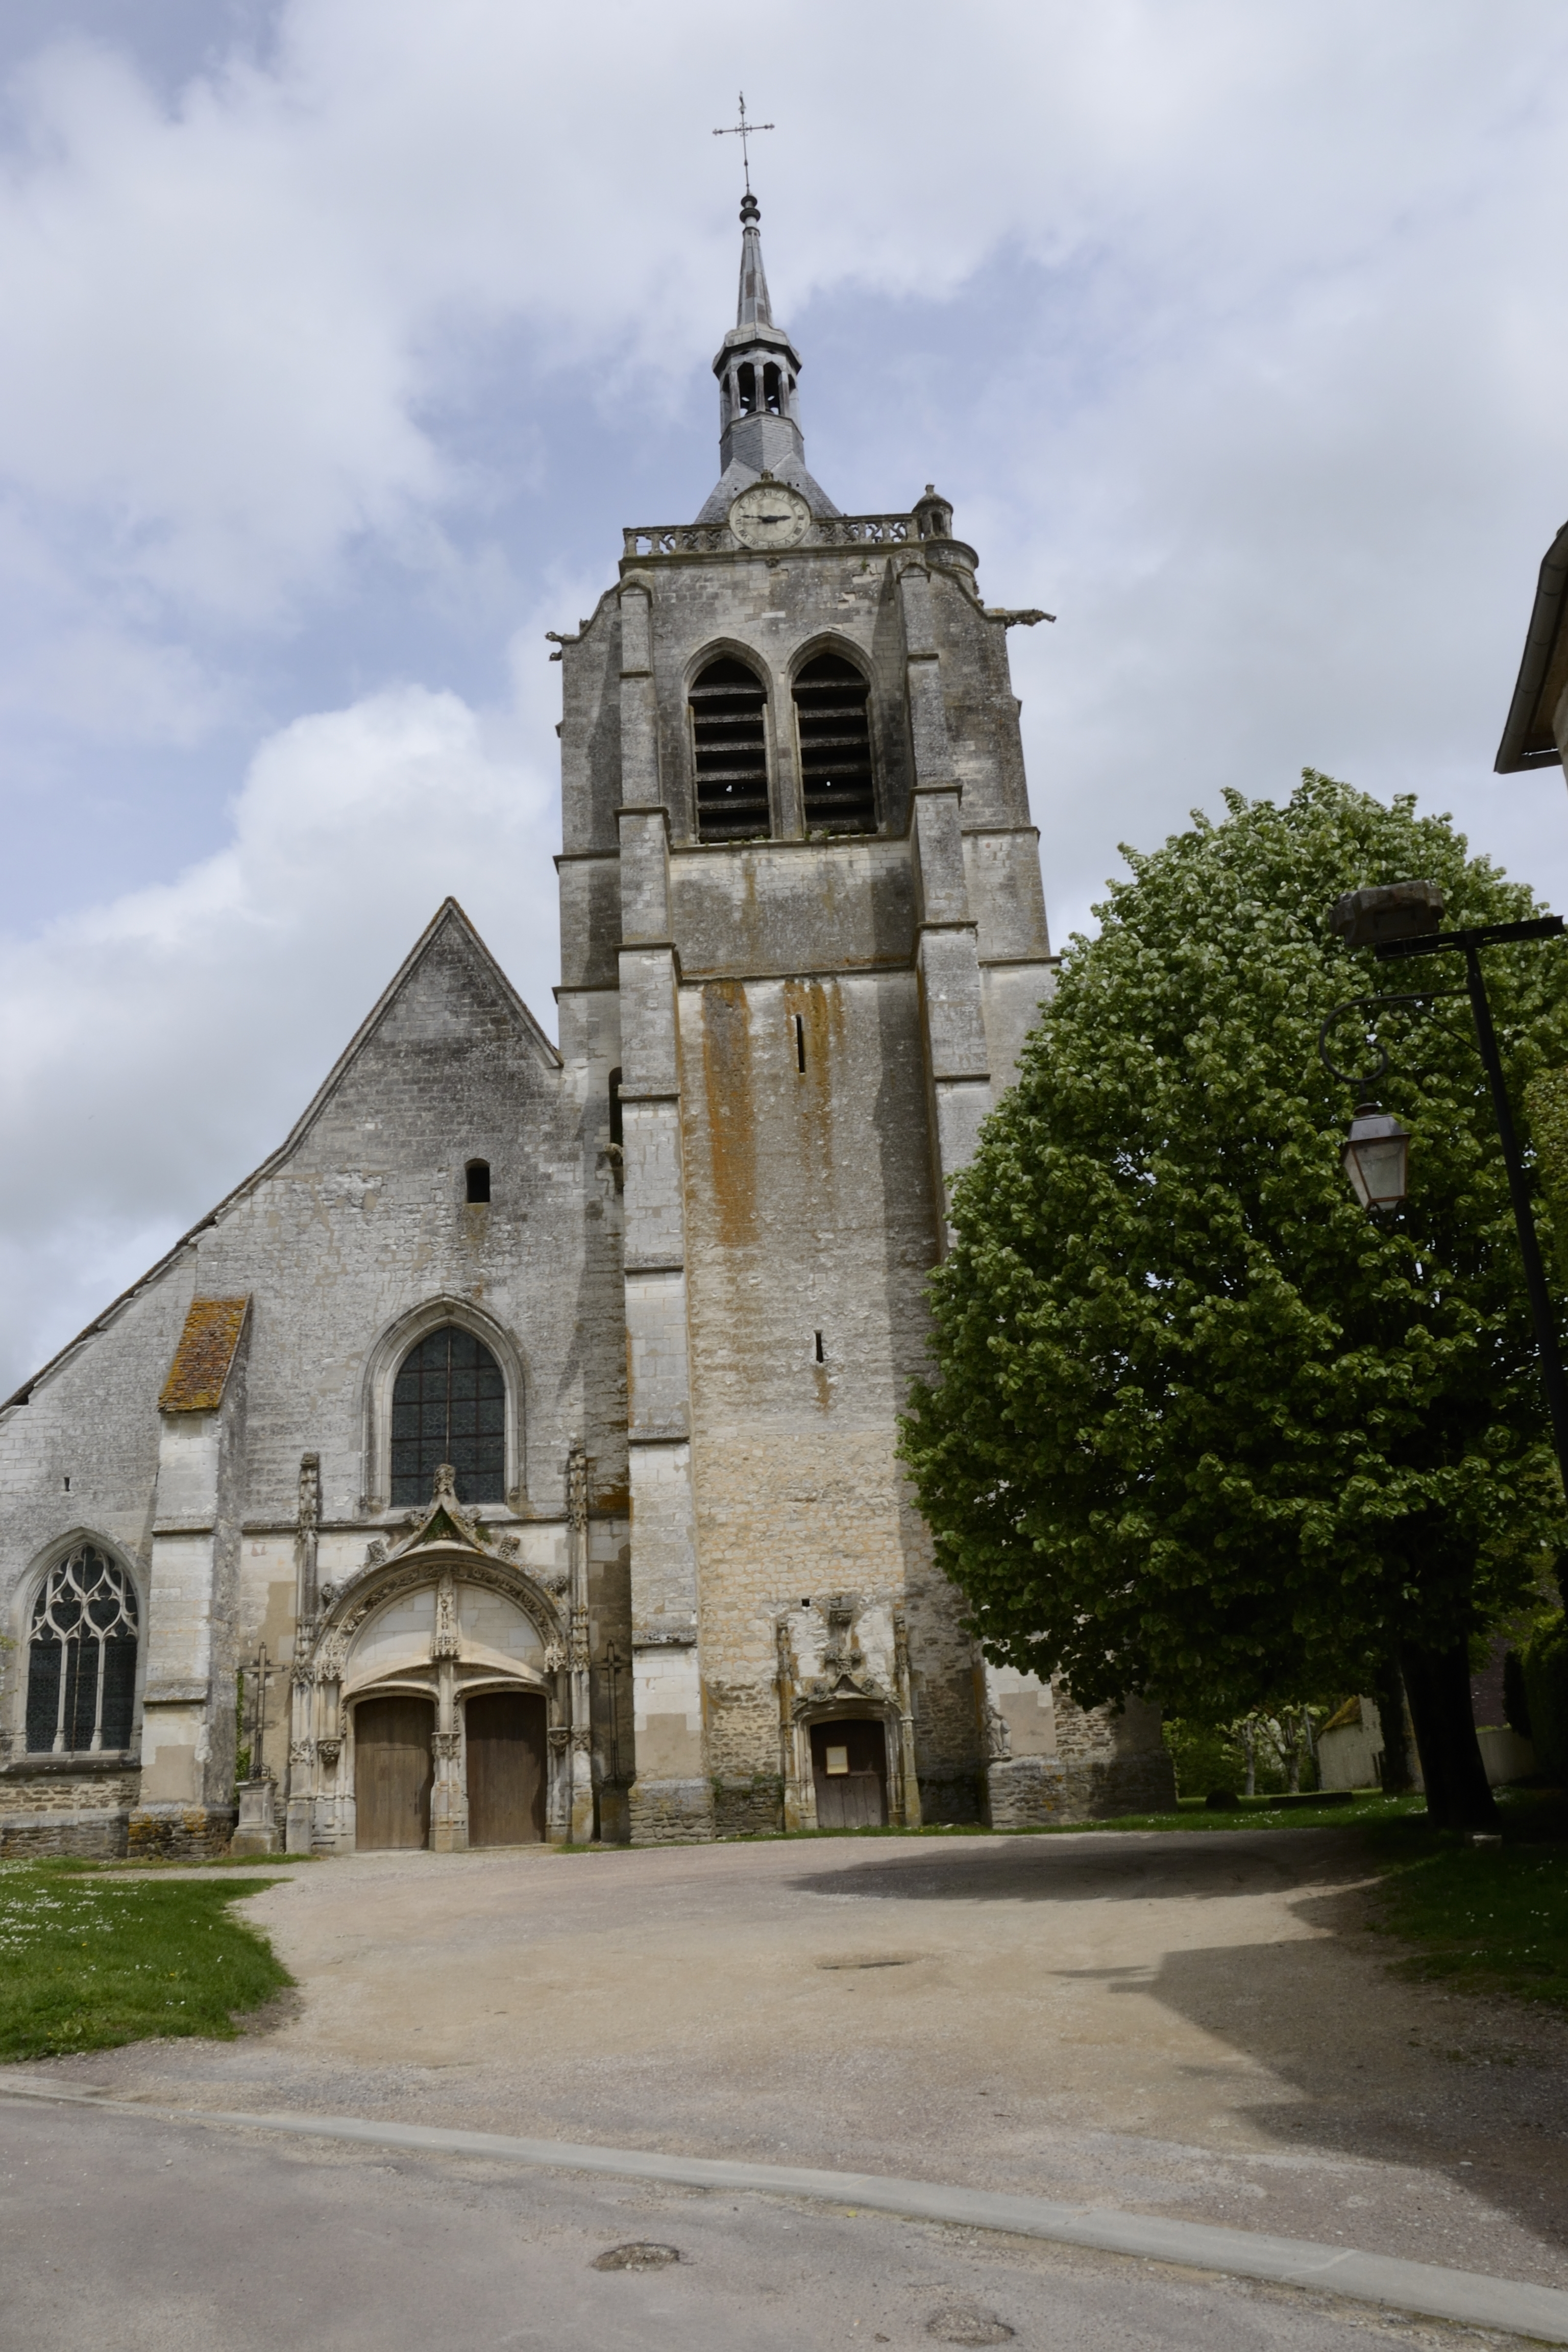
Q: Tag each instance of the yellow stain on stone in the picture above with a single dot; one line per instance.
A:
(201, 1366)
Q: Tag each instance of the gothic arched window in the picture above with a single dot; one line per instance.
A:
(830, 698)
(730, 745)
(449, 1404)
(82, 1656)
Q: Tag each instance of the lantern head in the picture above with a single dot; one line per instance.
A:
(1376, 1158)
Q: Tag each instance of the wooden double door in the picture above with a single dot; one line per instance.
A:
(394, 1768)
(850, 1769)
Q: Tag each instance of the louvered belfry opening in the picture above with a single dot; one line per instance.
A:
(831, 698)
(730, 737)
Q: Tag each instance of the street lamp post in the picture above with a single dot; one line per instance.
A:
(1400, 920)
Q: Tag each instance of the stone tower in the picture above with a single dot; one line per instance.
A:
(803, 937)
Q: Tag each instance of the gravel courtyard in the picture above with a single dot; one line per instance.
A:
(1201, 2025)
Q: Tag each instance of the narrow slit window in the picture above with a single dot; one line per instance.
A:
(821, 1353)
(834, 727)
(478, 1176)
(729, 748)
(800, 1042)
(618, 1120)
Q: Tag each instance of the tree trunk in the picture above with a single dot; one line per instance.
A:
(1291, 1725)
(1389, 1693)
(1438, 1684)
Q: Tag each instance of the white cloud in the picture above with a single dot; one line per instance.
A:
(1247, 331)
(226, 320)
(157, 1047)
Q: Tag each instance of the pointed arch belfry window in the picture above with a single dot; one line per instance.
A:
(449, 1404)
(836, 773)
(729, 749)
(81, 1657)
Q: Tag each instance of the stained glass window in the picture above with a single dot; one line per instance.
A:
(449, 1405)
(81, 1657)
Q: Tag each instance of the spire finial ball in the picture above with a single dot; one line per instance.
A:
(750, 211)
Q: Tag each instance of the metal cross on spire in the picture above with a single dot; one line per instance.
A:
(743, 130)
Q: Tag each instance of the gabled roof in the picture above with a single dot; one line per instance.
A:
(449, 917)
(1527, 740)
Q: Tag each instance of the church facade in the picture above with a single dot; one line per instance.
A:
(512, 1455)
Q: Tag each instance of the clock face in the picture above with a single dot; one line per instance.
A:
(770, 515)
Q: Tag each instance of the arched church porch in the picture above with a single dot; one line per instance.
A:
(438, 1702)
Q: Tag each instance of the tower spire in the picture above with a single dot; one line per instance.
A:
(752, 310)
(758, 369)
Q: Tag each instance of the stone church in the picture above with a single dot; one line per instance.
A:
(511, 1456)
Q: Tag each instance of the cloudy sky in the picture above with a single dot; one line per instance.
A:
(339, 340)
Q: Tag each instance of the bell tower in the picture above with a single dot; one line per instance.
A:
(804, 936)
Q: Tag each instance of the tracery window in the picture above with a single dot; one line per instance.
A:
(729, 744)
(449, 1404)
(830, 699)
(81, 1657)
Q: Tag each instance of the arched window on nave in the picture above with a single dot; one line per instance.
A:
(82, 1656)
(449, 1404)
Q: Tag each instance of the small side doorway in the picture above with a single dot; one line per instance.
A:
(393, 1771)
(506, 1768)
(849, 1767)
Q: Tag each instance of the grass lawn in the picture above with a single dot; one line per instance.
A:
(1489, 1919)
(88, 1961)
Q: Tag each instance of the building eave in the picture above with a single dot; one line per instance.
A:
(1527, 740)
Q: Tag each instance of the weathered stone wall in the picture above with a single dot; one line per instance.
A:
(79, 1461)
(806, 1200)
(1114, 1760)
(50, 1811)
(361, 1222)
(180, 1832)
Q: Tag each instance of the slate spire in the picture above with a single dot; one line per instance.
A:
(758, 369)
(752, 310)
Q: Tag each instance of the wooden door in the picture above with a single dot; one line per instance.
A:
(393, 1771)
(506, 1768)
(849, 1767)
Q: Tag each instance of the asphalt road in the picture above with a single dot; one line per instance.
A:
(150, 2236)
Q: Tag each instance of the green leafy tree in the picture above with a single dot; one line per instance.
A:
(1201, 1428)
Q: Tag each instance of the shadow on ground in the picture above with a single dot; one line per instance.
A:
(1385, 2070)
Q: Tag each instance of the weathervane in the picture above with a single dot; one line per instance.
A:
(743, 130)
